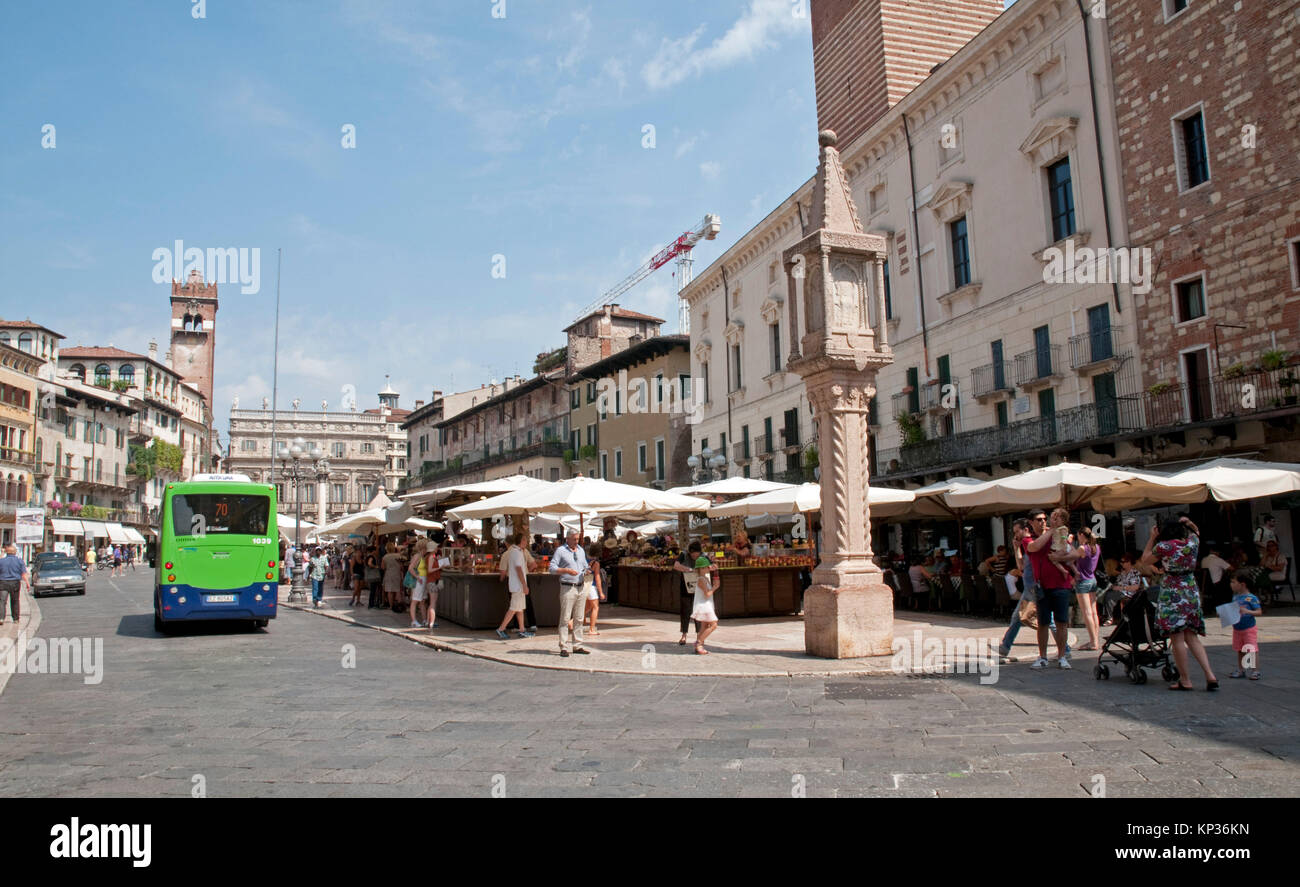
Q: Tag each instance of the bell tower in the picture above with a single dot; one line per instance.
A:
(194, 331)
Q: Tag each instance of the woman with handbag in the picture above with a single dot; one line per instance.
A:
(595, 593)
(417, 576)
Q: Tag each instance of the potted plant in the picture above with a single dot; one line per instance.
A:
(810, 458)
(1288, 383)
(1274, 358)
(1159, 388)
(910, 425)
(568, 456)
(1235, 370)
(588, 452)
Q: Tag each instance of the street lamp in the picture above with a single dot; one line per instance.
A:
(292, 467)
(706, 464)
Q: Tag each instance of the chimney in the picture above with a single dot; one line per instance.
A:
(418, 404)
(153, 350)
(437, 395)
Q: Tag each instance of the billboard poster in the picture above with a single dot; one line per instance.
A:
(29, 526)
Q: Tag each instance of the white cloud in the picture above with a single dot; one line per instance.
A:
(578, 34)
(615, 70)
(757, 29)
(685, 147)
(710, 169)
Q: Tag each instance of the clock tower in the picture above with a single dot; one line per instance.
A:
(194, 332)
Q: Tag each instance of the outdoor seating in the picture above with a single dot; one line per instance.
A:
(1285, 580)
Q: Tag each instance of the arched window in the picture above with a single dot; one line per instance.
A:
(198, 323)
(79, 370)
(25, 342)
(126, 373)
(102, 374)
(4, 339)
(22, 489)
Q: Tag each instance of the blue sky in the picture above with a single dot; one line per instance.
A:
(475, 136)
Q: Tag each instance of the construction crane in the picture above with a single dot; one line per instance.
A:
(679, 249)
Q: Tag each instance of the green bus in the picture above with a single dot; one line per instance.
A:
(218, 552)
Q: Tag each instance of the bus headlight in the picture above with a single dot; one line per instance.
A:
(173, 589)
(257, 597)
(266, 588)
(181, 600)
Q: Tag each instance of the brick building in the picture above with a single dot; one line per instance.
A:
(1205, 95)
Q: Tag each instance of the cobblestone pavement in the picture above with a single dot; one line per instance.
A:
(277, 713)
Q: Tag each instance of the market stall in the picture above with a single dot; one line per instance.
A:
(765, 585)
(474, 596)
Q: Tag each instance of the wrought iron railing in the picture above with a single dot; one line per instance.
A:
(1095, 346)
(1038, 363)
(762, 447)
(991, 378)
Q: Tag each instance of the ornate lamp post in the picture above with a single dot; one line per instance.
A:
(291, 467)
(837, 350)
(703, 468)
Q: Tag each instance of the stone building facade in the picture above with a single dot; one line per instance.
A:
(19, 396)
(1206, 105)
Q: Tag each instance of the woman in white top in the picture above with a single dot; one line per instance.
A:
(595, 592)
(704, 613)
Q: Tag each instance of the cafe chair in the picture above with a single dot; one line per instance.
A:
(1285, 580)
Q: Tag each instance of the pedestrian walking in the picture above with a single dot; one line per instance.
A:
(358, 575)
(1245, 634)
(595, 593)
(117, 561)
(685, 566)
(318, 564)
(703, 612)
(1085, 558)
(1019, 539)
(419, 569)
(13, 575)
(374, 577)
(570, 563)
(1178, 608)
(392, 567)
(1054, 585)
(515, 572)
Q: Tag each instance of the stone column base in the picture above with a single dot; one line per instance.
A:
(853, 621)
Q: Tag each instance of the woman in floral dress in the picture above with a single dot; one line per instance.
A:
(1178, 608)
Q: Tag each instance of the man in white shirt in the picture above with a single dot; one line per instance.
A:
(515, 572)
(570, 563)
(1216, 565)
(1266, 533)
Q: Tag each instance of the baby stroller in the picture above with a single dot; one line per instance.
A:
(1136, 643)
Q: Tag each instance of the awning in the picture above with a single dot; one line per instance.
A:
(133, 535)
(117, 533)
(96, 527)
(66, 526)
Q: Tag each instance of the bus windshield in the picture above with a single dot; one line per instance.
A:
(235, 514)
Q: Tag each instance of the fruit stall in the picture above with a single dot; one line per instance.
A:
(474, 595)
(761, 586)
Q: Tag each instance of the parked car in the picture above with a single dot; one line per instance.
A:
(61, 575)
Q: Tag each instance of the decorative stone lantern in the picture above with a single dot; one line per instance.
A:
(848, 611)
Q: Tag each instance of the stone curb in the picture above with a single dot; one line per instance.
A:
(30, 622)
(451, 648)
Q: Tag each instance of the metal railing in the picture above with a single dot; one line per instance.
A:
(1038, 363)
(1223, 397)
(475, 459)
(1095, 347)
(740, 452)
(789, 437)
(762, 447)
(991, 378)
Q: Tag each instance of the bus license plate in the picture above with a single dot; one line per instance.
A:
(221, 599)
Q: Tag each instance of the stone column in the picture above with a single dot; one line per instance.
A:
(322, 496)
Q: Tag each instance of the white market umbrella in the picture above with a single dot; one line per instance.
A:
(882, 501)
(1070, 484)
(581, 495)
(483, 488)
(1232, 479)
(361, 522)
(733, 486)
(380, 501)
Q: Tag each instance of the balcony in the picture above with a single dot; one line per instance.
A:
(1071, 428)
(762, 448)
(740, 452)
(14, 456)
(1097, 351)
(932, 398)
(993, 380)
(789, 439)
(905, 402)
(1222, 398)
(477, 461)
(1038, 368)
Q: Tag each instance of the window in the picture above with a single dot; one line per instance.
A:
(960, 253)
(684, 379)
(1196, 375)
(736, 380)
(659, 459)
(309, 493)
(1047, 403)
(1060, 197)
(1190, 150)
(1173, 7)
(999, 367)
(704, 374)
(618, 402)
(889, 301)
(640, 457)
(1099, 339)
(336, 450)
(591, 435)
(913, 396)
(248, 444)
(1002, 413)
(1293, 250)
(575, 442)
(604, 465)
(659, 391)
(1189, 300)
(618, 463)
(775, 331)
(126, 373)
(367, 447)
(575, 398)
(591, 392)
(336, 493)
(25, 342)
(1043, 352)
(79, 370)
(102, 374)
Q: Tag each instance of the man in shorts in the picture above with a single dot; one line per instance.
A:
(1053, 585)
(516, 570)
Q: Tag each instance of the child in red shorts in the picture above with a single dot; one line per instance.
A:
(1245, 634)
